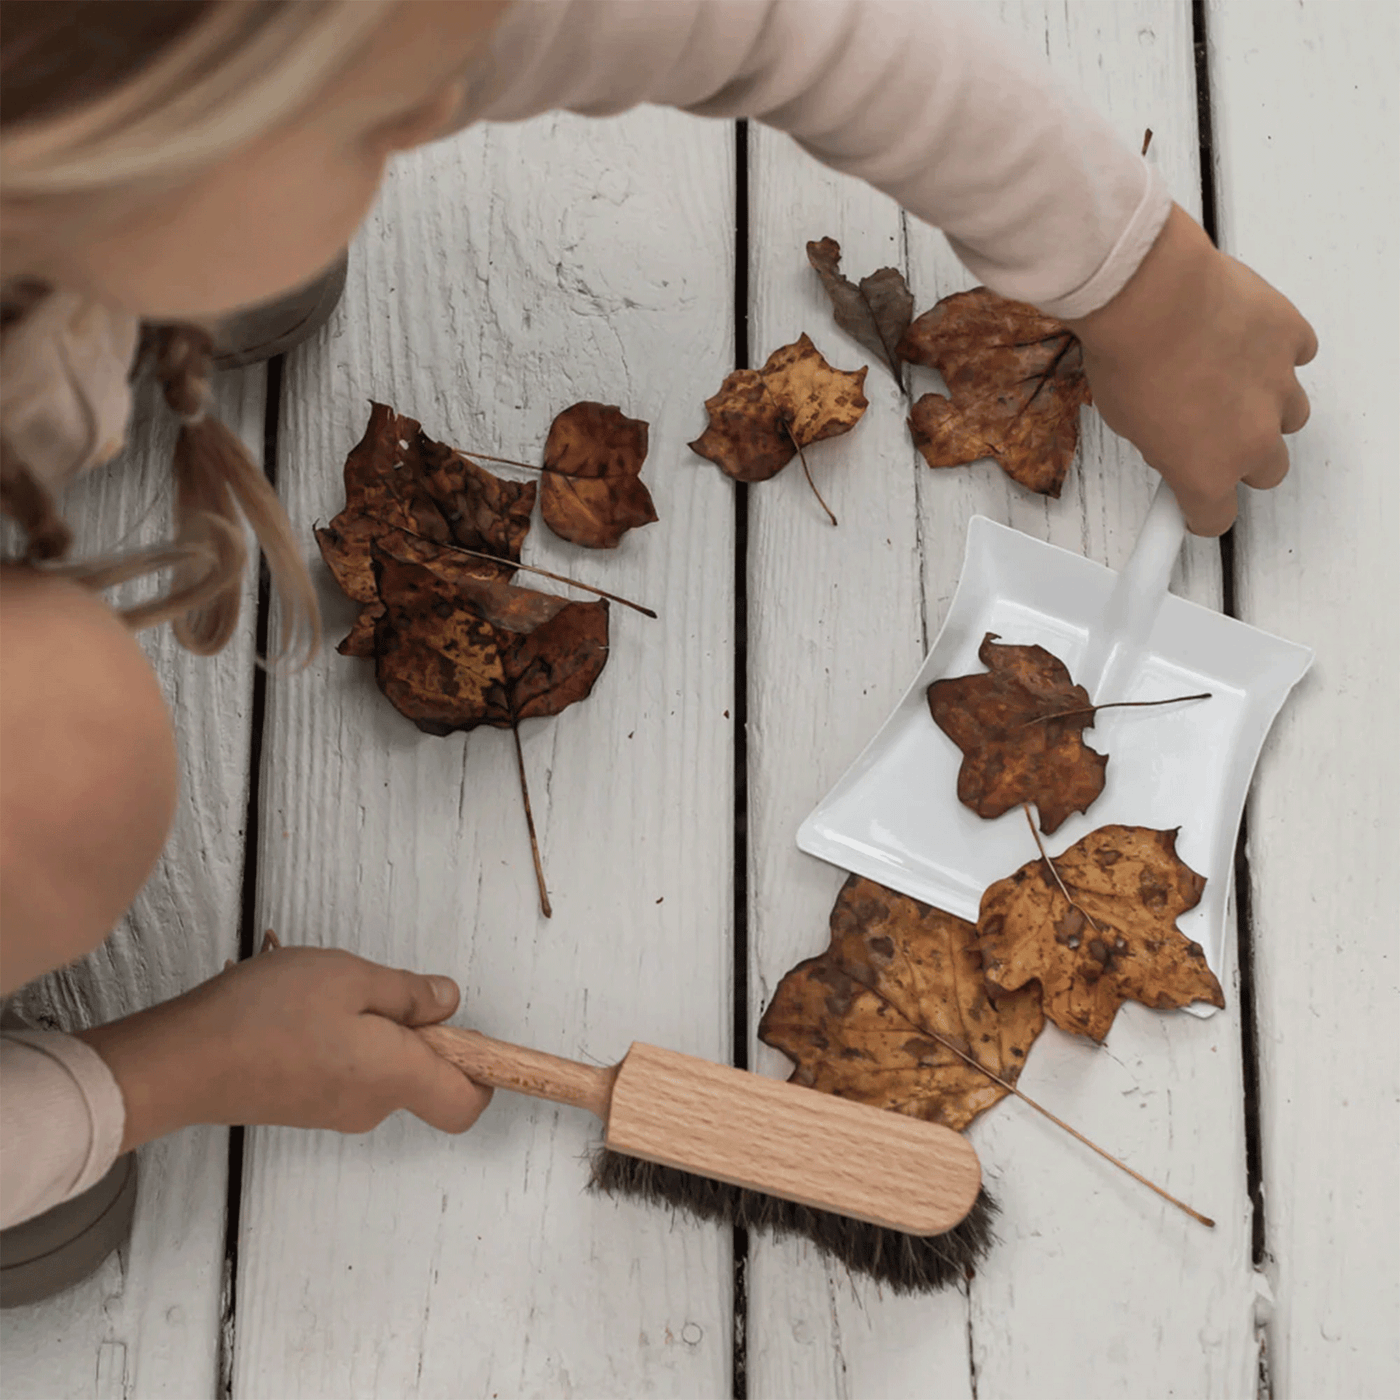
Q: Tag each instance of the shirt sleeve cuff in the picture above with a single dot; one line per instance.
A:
(1124, 258)
(100, 1095)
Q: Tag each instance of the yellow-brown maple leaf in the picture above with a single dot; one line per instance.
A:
(1117, 941)
(760, 418)
(858, 1020)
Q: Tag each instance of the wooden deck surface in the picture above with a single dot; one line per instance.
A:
(517, 269)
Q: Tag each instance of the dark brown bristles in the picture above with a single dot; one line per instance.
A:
(903, 1263)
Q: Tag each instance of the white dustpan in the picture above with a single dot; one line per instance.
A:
(894, 816)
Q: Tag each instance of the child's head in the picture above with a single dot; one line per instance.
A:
(179, 159)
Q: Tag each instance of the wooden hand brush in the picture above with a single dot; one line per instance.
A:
(892, 1197)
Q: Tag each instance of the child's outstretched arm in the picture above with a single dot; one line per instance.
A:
(1190, 355)
(299, 1037)
(306, 1037)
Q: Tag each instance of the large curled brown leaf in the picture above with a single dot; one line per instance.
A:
(760, 418)
(453, 651)
(1015, 381)
(591, 493)
(856, 1020)
(398, 478)
(1014, 750)
(1117, 941)
(876, 312)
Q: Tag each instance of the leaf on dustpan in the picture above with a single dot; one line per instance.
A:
(760, 419)
(591, 493)
(858, 1019)
(1015, 382)
(876, 312)
(1108, 936)
(1015, 750)
(397, 477)
(453, 651)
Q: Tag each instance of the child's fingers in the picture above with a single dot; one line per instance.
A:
(1308, 350)
(1297, 411)
(441, 1095)
(1206, 512)
(410, 998)
(1268, 472)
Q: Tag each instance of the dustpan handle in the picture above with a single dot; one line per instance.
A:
(1117, 640)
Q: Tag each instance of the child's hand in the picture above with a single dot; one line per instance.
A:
(307, 1037)
(1193, 363)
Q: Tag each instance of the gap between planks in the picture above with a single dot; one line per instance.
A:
(247, 932)
(1229, 605)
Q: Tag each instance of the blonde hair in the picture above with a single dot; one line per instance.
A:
(194, 82)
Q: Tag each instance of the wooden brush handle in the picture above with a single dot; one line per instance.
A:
(504, 1066)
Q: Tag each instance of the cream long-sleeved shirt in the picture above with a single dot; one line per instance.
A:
(1034, 191)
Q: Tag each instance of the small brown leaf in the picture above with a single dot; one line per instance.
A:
(760, 418)
(1015, 381)
(876, 313)
(591, 493)
(1014, 748)
(858, 1019)
(1117, 941)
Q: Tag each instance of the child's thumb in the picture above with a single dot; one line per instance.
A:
(411, 998)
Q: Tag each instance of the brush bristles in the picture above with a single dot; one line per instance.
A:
(903, 1263)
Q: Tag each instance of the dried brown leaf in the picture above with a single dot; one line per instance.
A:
(857, 1019)
(1015, 382)
(1014, 749)
(453, 652)
(760, 418)
(876, 312)
(1116, 941)
(591, 493)
(397, 477)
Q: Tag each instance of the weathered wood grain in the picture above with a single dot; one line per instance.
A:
(503, 276)
(148, 1322)
(1307, 153)
(1097, 1288)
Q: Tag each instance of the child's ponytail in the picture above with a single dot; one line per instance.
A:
(214, 479)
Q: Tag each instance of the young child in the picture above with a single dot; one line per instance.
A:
(174, 161)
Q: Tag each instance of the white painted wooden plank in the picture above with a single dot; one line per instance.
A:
(1095, 1289)
(148, 1322)
(835, 632)
(503, 276)
(1307, 153)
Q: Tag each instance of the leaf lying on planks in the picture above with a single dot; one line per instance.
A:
(876, 312)
(1098, 929)
(1015, 382)
(396, 477)
(427, 544)
(1015, 746)
(453, 651)
(591, 493)
(859, 1020)
(760, 419)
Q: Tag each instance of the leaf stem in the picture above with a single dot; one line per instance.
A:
(545, 908)
(807, 471)
(1060, 1123)
(516, 564)
(1113, 705)
(1050, 866)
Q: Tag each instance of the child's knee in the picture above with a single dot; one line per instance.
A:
(87, 772)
